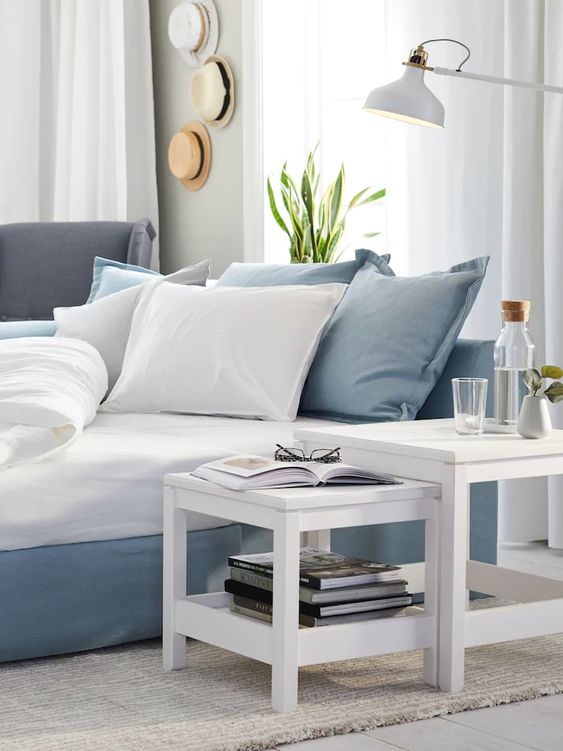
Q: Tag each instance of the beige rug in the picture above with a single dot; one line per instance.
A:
(120, 699)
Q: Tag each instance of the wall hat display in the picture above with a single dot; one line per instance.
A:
(189, 155)
(193, 29)
(212, 91)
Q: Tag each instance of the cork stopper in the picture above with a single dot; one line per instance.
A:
(515, 311)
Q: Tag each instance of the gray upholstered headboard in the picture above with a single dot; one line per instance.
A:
(44, 265)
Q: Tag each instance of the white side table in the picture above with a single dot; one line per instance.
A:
(430, 450)
(289, 513)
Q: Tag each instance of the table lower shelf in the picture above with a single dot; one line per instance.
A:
(208, 618)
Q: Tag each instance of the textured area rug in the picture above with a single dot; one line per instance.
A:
(120, 698)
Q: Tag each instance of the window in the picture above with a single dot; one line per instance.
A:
(320, 60)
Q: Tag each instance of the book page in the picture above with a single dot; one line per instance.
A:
(326, 471)
(245, 465)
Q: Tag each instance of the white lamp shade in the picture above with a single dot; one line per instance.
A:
(408, 99)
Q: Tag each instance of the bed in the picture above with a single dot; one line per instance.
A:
(80, 533)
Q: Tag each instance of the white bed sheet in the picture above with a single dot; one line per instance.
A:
(108, 485)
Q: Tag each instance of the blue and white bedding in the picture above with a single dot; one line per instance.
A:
(70, 475)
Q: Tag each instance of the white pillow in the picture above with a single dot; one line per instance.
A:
(241, 352)
(105, 323)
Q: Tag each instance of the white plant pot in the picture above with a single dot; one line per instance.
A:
(534, 420)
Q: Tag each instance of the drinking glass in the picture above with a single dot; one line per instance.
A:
(470, 401)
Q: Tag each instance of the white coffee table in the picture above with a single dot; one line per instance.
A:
(289, 513)
(430, 450)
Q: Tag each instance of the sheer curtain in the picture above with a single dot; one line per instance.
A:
(491, 182)
(77, 117)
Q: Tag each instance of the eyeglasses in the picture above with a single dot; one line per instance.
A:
(284, 454)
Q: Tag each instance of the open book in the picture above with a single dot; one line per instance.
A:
(247, 472)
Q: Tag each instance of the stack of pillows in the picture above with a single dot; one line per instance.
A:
(348, 341)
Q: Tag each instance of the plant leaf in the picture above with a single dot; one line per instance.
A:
(288, 183)
(336, 198)
(308, 248)
(354, 200)
(554, 392)
(551, 371)
(373, 197)
(333, 243)
(371, 234)
(309, 204)
(274, 209)
(532, 378)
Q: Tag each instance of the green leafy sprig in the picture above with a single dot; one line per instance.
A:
(534, 379)
(315, 222)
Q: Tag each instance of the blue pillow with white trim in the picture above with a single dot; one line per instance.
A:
(280, 274)
(388, 342)
(112, 276)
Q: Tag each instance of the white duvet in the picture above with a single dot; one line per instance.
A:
(107, 482)
(50, 389)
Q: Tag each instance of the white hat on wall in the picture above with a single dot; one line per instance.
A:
(212, 91)
(193, 29)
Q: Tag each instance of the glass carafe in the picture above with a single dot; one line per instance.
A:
(514, 353)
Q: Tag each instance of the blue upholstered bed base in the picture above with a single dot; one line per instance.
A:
(70, 598)
(94, 594)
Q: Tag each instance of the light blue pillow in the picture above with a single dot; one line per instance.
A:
(15, 329)
(113, 276)
(388, 342)
(276, 274)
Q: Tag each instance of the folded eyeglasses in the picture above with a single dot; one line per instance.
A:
(322, 456)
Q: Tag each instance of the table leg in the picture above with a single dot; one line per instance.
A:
(430, 672)
(453, 576)
(319, 539)
(174, 581)
(285, 627)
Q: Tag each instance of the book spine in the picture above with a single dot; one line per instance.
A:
(263, 611)
(247, 590)
(311, 581)
(252, 579)
(255, 568)
(264, 597)
(249, 613)
(247, 602)
(268, 572)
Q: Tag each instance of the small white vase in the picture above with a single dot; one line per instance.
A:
(534, 420)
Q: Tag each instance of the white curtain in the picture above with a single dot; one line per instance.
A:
(490, 183)
(77, 133)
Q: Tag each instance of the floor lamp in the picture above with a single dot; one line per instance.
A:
(410, 100)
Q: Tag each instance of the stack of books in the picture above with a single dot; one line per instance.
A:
(333, 588)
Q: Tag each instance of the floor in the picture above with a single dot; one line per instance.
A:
(536, 724)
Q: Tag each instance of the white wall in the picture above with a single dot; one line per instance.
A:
(208, 223)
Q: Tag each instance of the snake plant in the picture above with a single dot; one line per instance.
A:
(315, 221)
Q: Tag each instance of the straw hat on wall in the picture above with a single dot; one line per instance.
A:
(212, 91)
(189, 155)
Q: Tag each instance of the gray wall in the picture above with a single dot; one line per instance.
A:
(207, 223)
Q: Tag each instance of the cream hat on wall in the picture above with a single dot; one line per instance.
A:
(189, 155)
(193, 29)
(212, 91)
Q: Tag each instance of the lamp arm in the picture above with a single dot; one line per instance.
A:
(453, 41)
(496, 79)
